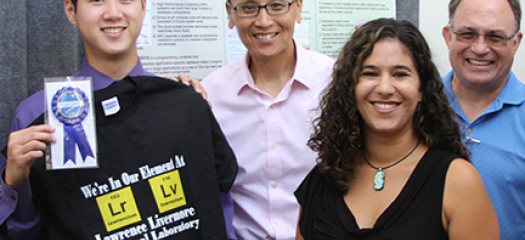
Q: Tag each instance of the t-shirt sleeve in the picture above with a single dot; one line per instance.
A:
(225, 160)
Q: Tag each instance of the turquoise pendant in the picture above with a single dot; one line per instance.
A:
(379, 180)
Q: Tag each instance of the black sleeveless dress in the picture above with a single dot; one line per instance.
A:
(416, 213)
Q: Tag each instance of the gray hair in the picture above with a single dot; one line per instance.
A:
(514, 4)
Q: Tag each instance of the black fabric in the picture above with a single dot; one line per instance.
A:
(159, 123)
(415, 214)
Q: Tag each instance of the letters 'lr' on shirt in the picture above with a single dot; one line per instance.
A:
(269, 137)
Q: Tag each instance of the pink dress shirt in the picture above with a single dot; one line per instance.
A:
(269, 136)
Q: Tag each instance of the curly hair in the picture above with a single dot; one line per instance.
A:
(338, 133)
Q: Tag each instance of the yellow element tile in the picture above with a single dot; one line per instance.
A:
(118, 209)
(168, 191)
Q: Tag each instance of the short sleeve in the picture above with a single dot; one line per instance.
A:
(311, 195)
(305, 190)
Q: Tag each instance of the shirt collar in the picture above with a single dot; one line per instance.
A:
(302, 71)
(447, 87)
(513, 93)
(100, 80)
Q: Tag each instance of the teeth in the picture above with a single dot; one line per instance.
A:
(265, 36)
(479, 63)
(113, 30)
(384, 106)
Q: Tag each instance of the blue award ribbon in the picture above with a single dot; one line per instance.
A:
(71, 106)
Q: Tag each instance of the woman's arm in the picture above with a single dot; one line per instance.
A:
(298, 235)
(467, 210)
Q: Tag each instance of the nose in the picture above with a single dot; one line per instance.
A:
(385, 86)
(481, 46)
(263, 19)
(112, 11)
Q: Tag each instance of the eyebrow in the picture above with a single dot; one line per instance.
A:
(471, 29)
(395, 67)
(246, 2)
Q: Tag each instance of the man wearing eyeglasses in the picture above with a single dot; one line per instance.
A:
(264, 105)
(482, 38)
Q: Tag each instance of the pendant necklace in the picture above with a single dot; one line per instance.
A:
(379, 177)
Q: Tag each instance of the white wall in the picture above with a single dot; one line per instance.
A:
(433, 16)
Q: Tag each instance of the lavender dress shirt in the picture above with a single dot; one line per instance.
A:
(269, 136)
(16, 207)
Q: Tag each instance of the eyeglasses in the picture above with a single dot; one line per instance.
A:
(252, 10)
(491, 37)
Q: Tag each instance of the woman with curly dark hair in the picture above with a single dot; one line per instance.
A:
(391, 164)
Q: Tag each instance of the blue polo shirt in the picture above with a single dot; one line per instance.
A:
(496, 140)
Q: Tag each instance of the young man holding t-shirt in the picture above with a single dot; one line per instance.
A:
(109, 29)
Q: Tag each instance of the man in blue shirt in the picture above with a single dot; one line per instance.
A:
(109, 30)
(482, 38)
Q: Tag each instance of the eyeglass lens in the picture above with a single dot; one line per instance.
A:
(252, 10)
(491, 38)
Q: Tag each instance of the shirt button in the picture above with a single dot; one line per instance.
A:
(273, 106)
(277, 222)
(13, 198)
(275, 184)
(274, 146)
(469, 131)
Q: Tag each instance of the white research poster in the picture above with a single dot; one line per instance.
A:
(192, 36)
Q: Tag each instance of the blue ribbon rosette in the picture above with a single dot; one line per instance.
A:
(71, 106)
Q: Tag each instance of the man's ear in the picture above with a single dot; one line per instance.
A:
(517, 41)
(231, 23)
(69, 9)
(144, 3)
(447, 35)
(299, 10)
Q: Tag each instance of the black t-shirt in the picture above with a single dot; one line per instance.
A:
(415, 214)
(163, 162)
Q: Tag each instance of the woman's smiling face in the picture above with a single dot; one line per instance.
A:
(387, 90)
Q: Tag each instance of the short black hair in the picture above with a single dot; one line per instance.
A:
(76, 1)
